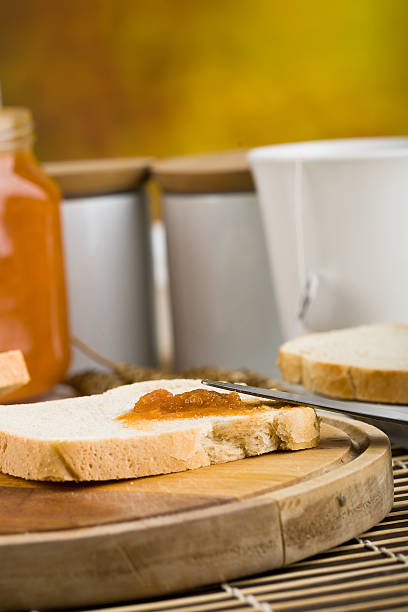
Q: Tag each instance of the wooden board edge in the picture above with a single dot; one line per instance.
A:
(120, 564)
(351, 499)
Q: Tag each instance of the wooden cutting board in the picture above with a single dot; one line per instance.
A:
(66, 545)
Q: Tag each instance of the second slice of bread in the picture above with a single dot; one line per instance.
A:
(81, 438)
(369, 362)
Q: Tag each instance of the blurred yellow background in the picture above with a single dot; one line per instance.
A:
(164, 77)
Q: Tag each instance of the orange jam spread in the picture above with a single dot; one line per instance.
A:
(163, 405)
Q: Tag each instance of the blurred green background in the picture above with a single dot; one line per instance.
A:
(164, 77)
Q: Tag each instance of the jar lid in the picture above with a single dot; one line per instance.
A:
(16, 128)
(225, 171)
(98, 176)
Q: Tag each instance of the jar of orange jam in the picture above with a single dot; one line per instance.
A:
(33, 313)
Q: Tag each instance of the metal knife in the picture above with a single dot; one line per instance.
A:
(390, 413)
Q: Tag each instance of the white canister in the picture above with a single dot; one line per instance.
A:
(106, 230)
(336, 217)
(223, 306)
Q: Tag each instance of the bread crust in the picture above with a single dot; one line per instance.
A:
(157, 451)
(13, 371)
(341, 380)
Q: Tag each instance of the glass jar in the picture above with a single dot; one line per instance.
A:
(33, 313)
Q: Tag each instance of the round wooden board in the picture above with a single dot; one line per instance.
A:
(65, 545)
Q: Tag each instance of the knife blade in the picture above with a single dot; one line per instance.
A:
(390, 413)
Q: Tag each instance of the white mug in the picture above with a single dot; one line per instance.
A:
(335, 214)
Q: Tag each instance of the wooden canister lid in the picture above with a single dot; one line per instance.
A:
(98, 176)
(226, 171)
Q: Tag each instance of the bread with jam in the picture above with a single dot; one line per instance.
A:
(139, 430)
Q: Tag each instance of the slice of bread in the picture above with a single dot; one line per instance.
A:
(81, 438)
(13, 371)
(366, 363)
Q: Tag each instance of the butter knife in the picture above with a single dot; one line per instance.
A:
(390, 413)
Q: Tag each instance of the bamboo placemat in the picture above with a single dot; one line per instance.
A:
(366, 573)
